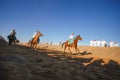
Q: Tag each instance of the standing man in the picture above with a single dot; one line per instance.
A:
(103, 43)
(98, 43)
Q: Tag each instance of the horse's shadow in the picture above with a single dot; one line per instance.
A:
(86, 53)
(42, 49)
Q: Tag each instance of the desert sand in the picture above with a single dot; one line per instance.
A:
(49, 62)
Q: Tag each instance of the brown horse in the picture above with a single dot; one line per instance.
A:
(74, 44)
(34, 42)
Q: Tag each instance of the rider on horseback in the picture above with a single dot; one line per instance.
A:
(71, 38)
(35, 33)
(12, 35)
(12, 38)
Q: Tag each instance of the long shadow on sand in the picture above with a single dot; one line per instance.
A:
(53, 65)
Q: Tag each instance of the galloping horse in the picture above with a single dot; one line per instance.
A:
(34, 42)
(74, 44)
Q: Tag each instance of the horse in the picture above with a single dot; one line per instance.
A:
(34, 42)
(12, 39)
(74, 44)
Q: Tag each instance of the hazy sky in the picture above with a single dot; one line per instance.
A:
(57, 19)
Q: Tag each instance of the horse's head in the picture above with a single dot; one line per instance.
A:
(39, 34)
(79, 37)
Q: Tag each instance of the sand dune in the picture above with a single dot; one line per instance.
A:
(19, 62)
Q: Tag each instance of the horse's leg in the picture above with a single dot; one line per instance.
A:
(14, 41)
(35, 47)
(63, 44)
(78, 50)
(9, 43)
(64, 49)
(30, 44)
(69, 50)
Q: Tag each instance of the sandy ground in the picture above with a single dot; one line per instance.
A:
(105, 53)
(49, 62)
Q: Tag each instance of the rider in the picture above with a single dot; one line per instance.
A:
(11, 37)
(71, 38)
(34, 34)
(12, 34)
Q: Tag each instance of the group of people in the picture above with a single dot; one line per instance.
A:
(12, 35)
(71, 38)
(98, 43)
(103, 43)
(113, 44)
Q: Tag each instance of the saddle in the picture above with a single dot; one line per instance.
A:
(70, 41)
(38, 40)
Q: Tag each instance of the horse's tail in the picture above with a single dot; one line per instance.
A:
(29, 42)
(17, 41)
(63, 44)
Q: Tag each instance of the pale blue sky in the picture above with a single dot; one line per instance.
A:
(57, 19)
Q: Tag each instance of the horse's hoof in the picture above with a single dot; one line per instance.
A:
(35, 49)
(79, 54)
